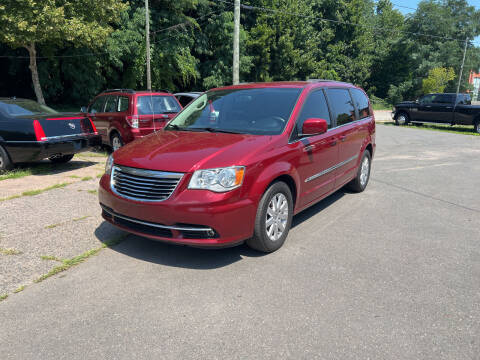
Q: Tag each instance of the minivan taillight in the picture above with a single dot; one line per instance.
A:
(94, 128)
(39, 133)
(132, 121)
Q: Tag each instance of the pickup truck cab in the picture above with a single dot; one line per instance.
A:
(448, 108)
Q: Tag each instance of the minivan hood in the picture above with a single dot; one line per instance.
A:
(187, 151)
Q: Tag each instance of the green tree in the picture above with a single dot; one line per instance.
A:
(437, 80)
(28, 23)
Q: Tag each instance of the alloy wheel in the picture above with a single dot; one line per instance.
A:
(277, 217)
(365, 171)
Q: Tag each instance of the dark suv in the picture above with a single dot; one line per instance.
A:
(123, 115)
(239, 161)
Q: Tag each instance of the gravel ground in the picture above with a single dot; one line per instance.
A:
(57, 223)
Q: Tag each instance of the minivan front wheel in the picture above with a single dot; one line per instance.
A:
(274, 218)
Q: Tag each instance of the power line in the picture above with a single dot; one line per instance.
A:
(343, 22)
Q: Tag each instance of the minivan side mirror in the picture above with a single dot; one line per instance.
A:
(314, 126)
(83, 109)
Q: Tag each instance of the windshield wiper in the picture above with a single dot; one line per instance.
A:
(211, 129)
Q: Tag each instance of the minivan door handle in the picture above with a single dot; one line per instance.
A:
(333, 143)
(343, 138)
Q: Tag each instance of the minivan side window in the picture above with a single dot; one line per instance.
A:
(122, 103)
(341, 105)
(314, 107)
(111, 104)
(97, 106)
(362, 103)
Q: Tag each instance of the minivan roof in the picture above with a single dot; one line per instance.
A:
(285, 84)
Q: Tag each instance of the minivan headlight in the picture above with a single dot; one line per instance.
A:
(218, 180)
(109, 164)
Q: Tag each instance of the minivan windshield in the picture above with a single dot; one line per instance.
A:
(257, 111)
(25, 107)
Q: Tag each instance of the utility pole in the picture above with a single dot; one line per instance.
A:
(461, 68)
(236, 43)
(147, 36)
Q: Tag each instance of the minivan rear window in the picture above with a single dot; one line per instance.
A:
(342, 105)
(361, 102)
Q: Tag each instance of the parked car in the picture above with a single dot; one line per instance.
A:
(446, 108)
(30, 132)
(239, 162)
(186, 98)
(123, 115)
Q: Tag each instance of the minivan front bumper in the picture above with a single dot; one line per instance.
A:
(188, 217)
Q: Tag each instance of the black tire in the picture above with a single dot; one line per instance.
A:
(61, 159)
(5, 162)
(261, 239)
(359, 183)
(116, 141)
(402, 119)
(476, 127)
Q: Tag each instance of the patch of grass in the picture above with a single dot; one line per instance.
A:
(456, 129)
(92, 154)
(81, 218)
(380, 104)
(10, 251)
(94, 192)
(39, 191)
(20, 288)
(74, 176)
(99, 175)
(15, 174)
(10, 197)
(68, 263)
(49, 257)
(86, 178)
(3, 297)
(52, 226)
(36, 192)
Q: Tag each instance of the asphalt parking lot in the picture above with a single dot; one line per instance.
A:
(391, 273)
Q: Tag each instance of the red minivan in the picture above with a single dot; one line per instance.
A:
(123, 115)
(239, 161)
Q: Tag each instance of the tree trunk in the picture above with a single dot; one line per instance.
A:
(33, 68)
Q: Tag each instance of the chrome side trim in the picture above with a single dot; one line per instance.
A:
(67, 136)
(179, 228)
(313, 177)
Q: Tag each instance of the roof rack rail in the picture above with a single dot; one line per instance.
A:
(124, 90)
(322, 80)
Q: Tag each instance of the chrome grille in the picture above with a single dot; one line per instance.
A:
(143, 185)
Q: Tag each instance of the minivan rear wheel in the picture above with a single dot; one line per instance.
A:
(359, 183)
(273, 219)
(402, 119)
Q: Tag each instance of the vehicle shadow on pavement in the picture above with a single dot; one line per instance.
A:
(318, 207)
(196, 258)
(47, 168)
(176, 255)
